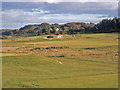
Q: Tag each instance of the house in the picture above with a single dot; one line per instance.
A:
(59, 36)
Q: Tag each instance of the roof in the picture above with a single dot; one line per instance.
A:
(59, 34)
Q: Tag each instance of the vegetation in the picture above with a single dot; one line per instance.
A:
(50, 37)
(108, 26)
(85, 57)
(105, 26)
(82, 61)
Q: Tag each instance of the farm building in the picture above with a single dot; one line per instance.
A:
(59, 36)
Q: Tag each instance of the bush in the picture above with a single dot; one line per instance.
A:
(50, 37)
(4, 37)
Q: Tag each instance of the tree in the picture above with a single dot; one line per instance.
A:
(11, 33)
(54, 29)
(46, 28)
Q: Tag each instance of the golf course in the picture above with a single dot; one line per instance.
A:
(74, 61)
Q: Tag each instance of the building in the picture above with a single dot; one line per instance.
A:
(59, 36)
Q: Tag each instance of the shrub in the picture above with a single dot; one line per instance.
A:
(4, 37)
(50, 37)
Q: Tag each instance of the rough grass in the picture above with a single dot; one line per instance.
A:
(87, 63)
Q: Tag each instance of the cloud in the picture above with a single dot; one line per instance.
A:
(14, 18)
(110, 6)
(57, 1)
(16, 15)
(37, 6)
(36, 10)
(119, 9)
(65, 18)
(83, 1)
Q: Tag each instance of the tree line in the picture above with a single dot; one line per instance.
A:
(105, 26)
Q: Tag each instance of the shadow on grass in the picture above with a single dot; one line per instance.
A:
(89, 48)
(58, 56)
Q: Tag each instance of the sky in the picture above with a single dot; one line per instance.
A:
(17, 14)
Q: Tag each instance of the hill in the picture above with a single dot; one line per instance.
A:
(105, 26)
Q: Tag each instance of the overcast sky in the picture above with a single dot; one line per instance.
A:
(18, 14)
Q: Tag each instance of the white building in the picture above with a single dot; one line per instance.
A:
(59, 36)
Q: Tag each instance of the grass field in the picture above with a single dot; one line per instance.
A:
(83, 61)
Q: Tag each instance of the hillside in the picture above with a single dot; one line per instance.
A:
(105, 26)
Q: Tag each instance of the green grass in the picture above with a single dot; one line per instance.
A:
(85, 63)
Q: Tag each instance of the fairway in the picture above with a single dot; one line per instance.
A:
(82, 61)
